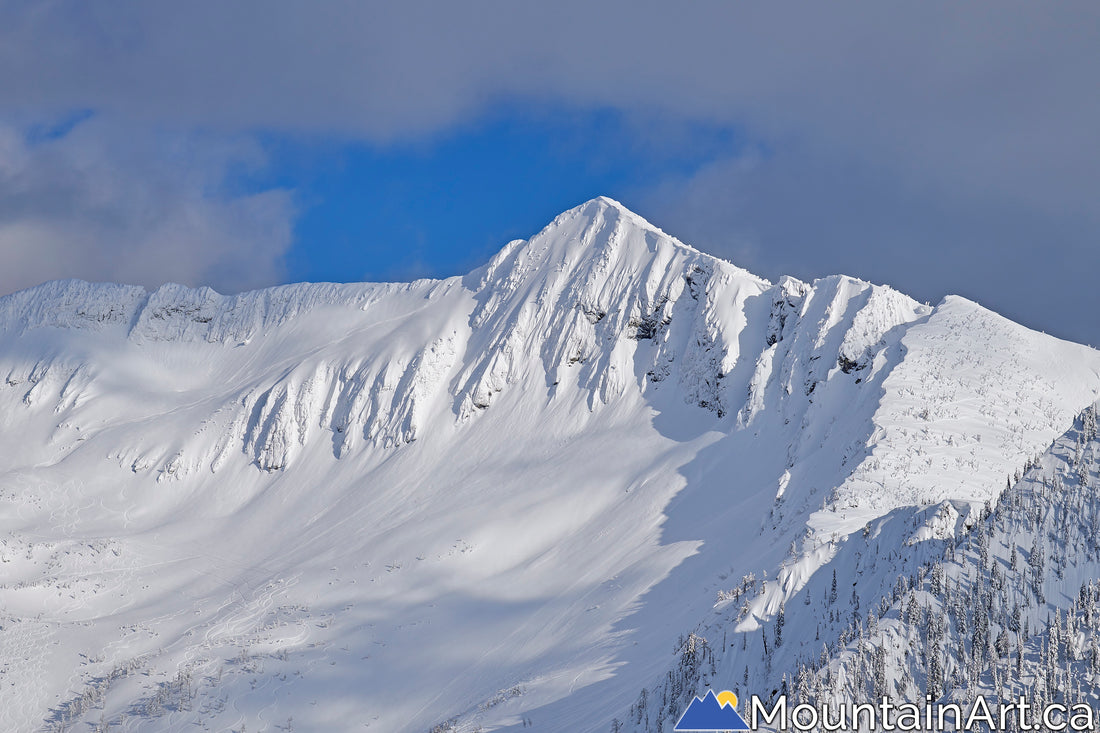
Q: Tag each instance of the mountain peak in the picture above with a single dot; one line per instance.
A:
(606, 203)
(604, 230)
(604, 209)
(603, 427)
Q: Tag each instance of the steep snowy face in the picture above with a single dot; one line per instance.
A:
(513, 489)
(1009, 608)
(932, 601)
(595, 296)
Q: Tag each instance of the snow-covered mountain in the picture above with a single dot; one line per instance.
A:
(508, 500)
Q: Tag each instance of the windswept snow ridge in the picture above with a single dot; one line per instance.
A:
(510, 499)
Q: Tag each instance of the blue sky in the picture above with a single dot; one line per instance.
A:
(442, 206)
(937, 147)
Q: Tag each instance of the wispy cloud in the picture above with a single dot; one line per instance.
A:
(101, 202)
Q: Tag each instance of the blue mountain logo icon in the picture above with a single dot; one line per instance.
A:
(712, 713)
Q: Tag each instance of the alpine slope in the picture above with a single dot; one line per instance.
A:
(516, 499)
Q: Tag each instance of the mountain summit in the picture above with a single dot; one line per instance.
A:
(502, 499)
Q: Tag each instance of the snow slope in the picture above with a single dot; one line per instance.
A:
(496, 500)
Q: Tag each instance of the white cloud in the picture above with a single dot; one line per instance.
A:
(981, 95)
(963, 132)
(105, 203)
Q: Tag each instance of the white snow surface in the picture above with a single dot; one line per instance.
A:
(494, 500)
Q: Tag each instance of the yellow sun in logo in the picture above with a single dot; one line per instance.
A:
(725, 697)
